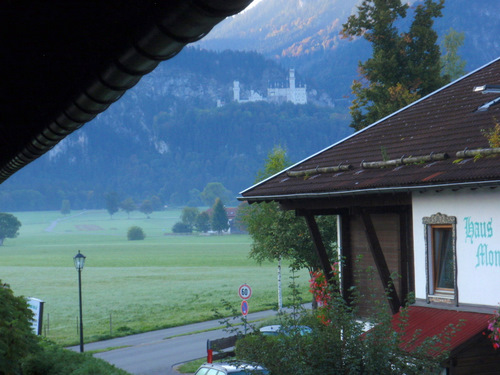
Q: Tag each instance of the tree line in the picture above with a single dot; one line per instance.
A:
(215, 219)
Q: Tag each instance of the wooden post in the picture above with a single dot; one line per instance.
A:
(320, 247)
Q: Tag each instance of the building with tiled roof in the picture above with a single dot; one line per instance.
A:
(416, 194)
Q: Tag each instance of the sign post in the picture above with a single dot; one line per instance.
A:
(245, 292)
(36, 305)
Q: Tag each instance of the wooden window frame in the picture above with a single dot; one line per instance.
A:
(434, 293)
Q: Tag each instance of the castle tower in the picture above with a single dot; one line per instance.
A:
(236, 91)
(292, 79)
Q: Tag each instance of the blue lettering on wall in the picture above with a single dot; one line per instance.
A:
(487, 257)
(477, 229)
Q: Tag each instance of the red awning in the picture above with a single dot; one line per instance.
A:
(421, 323)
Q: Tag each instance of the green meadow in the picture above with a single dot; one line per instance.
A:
(131, 286)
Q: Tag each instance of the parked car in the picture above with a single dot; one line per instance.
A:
(275, 330)
(230, 368)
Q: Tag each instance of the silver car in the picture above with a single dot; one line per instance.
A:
(275, 330)
(230, 368)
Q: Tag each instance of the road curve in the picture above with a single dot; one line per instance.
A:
(158, 352)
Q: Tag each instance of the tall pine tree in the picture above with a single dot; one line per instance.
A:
(403, 67)
(219, 218)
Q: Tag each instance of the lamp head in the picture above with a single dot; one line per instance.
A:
(79, 260)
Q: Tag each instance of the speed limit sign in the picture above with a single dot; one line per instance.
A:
(245, 292)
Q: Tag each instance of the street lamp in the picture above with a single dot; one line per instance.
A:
(79, 260)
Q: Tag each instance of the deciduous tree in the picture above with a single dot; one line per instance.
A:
(189, 215)
(16, 337)
(128, 206)
(146, 207)
(9, 226)
(202, 223)
(214, 190)
(278, 234)
(453, 65)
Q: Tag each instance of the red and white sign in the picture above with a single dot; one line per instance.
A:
(245, 292)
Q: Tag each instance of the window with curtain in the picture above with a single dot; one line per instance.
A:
(440, 234)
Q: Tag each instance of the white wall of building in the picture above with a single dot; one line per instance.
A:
(478, 241)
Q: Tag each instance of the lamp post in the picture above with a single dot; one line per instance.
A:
(79, 260)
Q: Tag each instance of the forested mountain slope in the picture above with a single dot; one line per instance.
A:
(167, 137)
(305, 34)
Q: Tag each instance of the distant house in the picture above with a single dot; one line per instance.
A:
(417, 194)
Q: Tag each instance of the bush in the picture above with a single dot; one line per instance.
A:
(54, 360)
(181, 227)
(16, 337)
(135, 233)
(339, 345)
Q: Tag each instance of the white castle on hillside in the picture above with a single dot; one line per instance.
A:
(296, 95)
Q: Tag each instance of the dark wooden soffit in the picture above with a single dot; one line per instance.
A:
(65, 61)
(335, 205)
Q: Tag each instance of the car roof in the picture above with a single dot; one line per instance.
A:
(230, 367)
(272, 328)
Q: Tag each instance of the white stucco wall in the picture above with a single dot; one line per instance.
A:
(478, 241)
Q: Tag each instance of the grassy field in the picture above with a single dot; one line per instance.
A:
(130, 286)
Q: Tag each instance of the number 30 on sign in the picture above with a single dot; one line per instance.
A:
(245, 291)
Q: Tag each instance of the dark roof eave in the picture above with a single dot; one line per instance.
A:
(161, 38)
(386, 190)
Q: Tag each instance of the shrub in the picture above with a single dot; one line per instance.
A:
(181, 227)
(135, 233)
(339, 345)
(16, 338)
(54, 360)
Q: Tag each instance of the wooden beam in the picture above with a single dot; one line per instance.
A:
(378, 256)
(320, 247)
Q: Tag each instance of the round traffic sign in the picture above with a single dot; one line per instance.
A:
(245, 292)
(244, 307)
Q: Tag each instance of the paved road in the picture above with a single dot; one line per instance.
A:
(158, 352)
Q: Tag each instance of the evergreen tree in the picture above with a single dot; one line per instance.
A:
(65, 207)
(403, 66)
(112, 202)
(219, 220)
